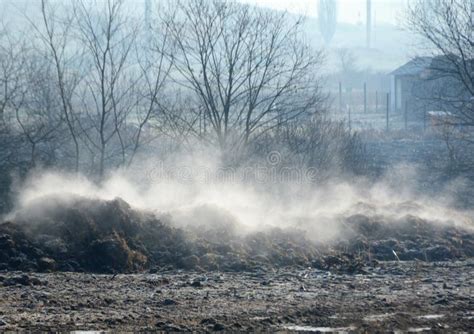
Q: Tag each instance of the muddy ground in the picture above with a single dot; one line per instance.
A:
(83, 264)
(393, 296)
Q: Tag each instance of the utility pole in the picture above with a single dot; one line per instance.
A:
(349, 117)
(376, 101)
(365, 98)
(424, 117)
(406, 115)
(340, 97)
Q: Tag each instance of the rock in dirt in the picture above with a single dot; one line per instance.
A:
(168, 302)
(46, 264)
(19, 280)
(208, 321)
(218, 327)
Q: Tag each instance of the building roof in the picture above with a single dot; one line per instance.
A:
(414, 67)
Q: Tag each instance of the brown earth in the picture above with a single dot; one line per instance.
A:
(382, 274)
(393, 296)
(85, 235)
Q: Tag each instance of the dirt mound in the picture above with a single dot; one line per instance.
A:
(406, 238)
(80, 234)
(83, 234)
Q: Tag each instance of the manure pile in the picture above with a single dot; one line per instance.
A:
(90, 235)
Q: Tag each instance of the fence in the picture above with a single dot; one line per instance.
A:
(363, 108)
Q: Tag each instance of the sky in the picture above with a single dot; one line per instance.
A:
(388, 40)
(349, 11)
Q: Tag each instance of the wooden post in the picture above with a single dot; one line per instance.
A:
(376, 101)
(424, 117)
(340, 97)
(388, 103)
(365, 97)
(406, 115)
(349, 112)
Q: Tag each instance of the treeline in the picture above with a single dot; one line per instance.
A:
(89, 87)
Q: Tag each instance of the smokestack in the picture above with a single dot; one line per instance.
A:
(369, 22)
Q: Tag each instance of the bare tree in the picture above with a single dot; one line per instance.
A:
(319, 143)
(155, 68)
(108, 95)
(347, 61)
(349, 73)
(29, 103)
(36, 110)
(247, 68)
(327, 16)
(11, 74)
(55, 35)
(109, 78)
(11, 67)
(446, 29)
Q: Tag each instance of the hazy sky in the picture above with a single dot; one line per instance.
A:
(351, 11)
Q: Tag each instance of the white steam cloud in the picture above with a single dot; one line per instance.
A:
(189, 199)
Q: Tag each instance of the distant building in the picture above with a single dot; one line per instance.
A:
(427, 84)
(405, 79)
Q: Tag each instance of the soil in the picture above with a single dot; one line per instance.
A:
(392, 296)
(86, 235)
(80, 264)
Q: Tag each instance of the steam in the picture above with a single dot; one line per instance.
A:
(189, 199)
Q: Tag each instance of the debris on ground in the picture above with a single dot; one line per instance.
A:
(393, 297)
